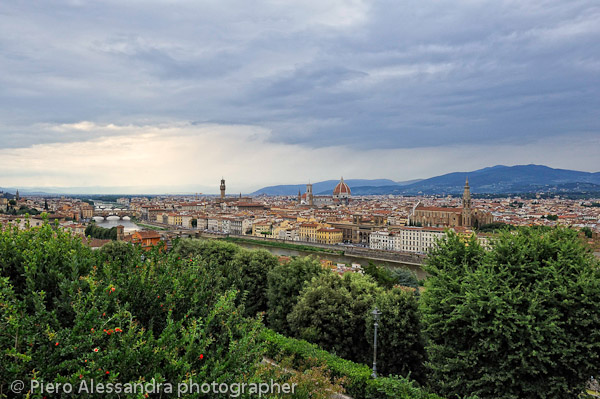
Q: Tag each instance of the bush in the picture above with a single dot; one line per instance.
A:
(254, 267)
(238, 268)
(401, 348)
(284, 283)
(331, 313)
(356, 378)
(65, 318)
(101, 233)
(120, 252)
(518, 321)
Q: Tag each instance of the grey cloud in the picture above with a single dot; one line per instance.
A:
(395, 75)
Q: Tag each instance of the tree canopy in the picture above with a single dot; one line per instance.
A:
(520, 320)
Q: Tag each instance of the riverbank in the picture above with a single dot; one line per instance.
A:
(148, 226)
(283, 245)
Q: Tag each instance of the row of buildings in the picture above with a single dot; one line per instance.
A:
(406, 239)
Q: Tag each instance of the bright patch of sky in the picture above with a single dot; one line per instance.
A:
(165, 94)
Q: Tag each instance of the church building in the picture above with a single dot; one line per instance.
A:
(466, 216)
(341, 196)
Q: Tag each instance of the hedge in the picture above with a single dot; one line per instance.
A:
(358, 382)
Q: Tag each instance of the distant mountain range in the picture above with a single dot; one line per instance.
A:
(326, 187)
(493, 180)
(498, 179)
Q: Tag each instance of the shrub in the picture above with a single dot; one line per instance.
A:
(356, 378)
(161, 319)
(518, 321)
(401, 347)
(284, 283)
(254, 267)
(331, 313)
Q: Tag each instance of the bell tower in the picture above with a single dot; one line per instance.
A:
(222, 187)
(309, 194)
(466, 205)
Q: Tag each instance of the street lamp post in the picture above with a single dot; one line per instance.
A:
(375, 314)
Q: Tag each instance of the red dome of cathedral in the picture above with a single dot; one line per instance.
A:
(341, 189)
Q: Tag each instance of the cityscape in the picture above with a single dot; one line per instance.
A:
(320, 199)
(374, 226)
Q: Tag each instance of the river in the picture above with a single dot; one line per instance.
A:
(336, 258)
(113, 221)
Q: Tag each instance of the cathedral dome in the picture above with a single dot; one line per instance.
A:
(341, 189)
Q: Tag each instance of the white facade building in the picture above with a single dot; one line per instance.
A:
(406, 239)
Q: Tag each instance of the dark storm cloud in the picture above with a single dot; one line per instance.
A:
(384, 74)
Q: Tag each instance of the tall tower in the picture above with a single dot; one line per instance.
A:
(120, 233)
(466, 204)
(18, 197)
(309, 194)
(299, 197)
(222, 189)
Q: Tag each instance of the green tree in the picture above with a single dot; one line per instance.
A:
(331, 313)
(401, 347)
(284, 283)
(95, 231)
(388, 278)
(254, 267)
(120, 252)
(518, 321)
(495, 226)
(68, 315)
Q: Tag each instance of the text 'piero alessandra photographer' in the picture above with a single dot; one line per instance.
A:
(87, 387)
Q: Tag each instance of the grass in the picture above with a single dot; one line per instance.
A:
(284, 245)
(147, 226)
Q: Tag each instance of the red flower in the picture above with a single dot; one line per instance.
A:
(108, 372)
(113, 289)
(118, 330)
(95, 349)
(201, 356)
(103, 314)
(80, 376)
(56, 344)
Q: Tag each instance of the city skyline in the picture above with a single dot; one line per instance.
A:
(170, 95)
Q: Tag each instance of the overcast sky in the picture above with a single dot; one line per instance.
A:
(175, 94)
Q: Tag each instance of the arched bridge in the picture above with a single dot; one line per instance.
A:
(114, 212)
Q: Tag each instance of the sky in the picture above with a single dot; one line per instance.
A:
(170, 96)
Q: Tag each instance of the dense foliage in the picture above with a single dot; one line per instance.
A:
(518, 321)
(66, 317)
(494, 227)
(355, 377)
(331, 312)
(389, 278)
(101, 233)
(285, 281)
(401, 347)
(243, 270)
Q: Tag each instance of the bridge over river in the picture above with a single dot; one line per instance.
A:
(120, 213)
